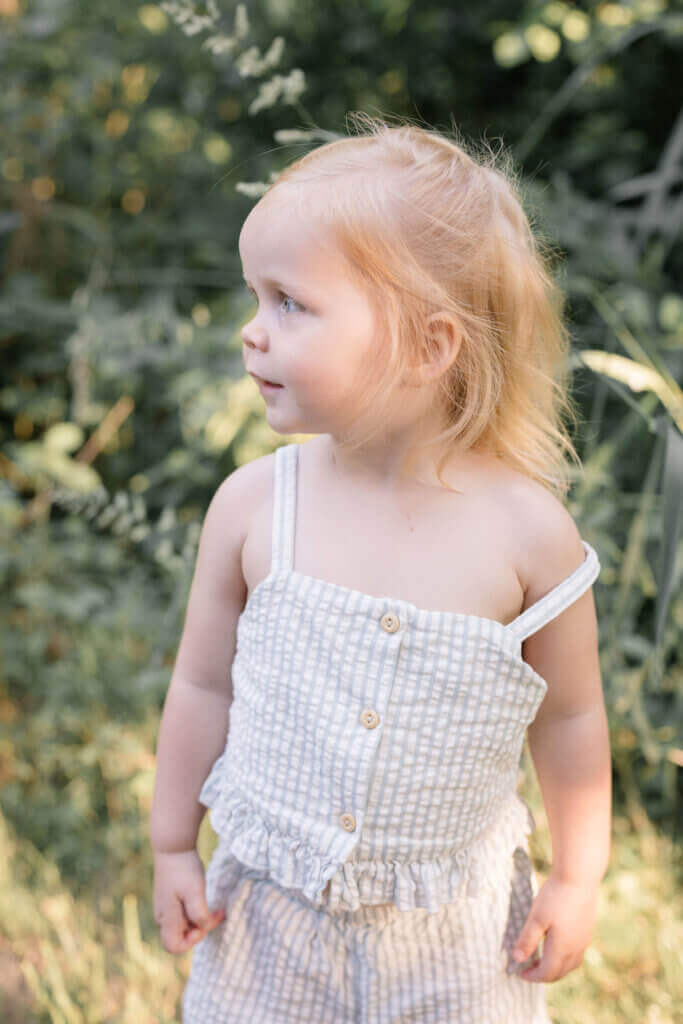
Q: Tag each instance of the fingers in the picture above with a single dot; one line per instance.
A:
(200, 919)
(552, 965)
(180, 907)
(185, 924)
(197, 911)
(172, 926)
(529, 938)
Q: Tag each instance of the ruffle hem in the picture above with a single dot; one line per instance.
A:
(249, 838)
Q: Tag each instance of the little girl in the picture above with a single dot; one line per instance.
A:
(378, 615)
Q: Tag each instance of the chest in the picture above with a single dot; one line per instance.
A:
(452, 553)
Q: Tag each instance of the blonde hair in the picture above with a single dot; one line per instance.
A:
(429, 225)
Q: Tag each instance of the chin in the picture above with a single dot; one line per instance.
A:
(293, 421)
(284, 424)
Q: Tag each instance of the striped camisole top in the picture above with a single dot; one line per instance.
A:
(373, 748)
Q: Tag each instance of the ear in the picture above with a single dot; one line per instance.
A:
(442, 341)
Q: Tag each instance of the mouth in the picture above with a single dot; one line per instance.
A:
(267, 384)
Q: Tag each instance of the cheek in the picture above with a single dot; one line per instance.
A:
(320, 384)
(330, 362)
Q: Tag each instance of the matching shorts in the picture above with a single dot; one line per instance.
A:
(278, 959)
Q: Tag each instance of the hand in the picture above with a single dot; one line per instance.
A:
(566, 911)
(180, 907)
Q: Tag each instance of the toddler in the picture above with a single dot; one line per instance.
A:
(380, 612)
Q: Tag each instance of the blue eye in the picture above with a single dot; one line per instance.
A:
(284, 298)
(288, 298)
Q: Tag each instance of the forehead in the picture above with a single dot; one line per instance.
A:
(280, 234)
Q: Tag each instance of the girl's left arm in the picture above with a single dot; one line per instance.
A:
(569, 744)
(572, 759)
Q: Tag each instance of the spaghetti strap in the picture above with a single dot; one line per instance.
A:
(284, 507)
(560, 597)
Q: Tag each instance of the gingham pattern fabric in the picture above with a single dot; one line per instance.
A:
(277, 959)
(418, 809)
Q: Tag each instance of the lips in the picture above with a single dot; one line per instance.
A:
(262, 380)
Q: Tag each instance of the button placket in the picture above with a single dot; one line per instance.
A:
(369, 717)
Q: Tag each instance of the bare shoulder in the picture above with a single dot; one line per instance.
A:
(244, 490)
(550, 545)
(228, 518)
(564, 651)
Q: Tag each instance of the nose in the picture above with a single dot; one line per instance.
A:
(254, 337)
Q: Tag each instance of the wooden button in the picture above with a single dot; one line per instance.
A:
(390, 622)
(348, 822)
(369, 718)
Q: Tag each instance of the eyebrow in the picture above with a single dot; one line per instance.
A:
(283, 286)
(269, 280)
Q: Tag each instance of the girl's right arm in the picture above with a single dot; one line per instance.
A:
(195, 719)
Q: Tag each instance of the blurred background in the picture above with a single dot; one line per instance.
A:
(136, 137)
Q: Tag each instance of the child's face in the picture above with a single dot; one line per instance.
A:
(314, 328)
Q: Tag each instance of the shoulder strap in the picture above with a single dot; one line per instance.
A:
(284, 506)
(560, 597)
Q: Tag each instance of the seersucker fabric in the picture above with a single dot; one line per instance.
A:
(366, 798)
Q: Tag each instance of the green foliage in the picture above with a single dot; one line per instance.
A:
(135, 139)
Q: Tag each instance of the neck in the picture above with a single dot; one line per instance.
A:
(379, 464)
